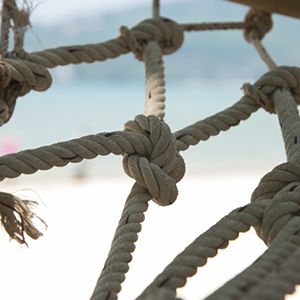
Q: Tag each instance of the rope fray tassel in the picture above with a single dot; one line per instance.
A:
(152, 156)
(16, 214)
(17, 217)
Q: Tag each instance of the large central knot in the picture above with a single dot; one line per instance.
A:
(163, 167)
(263, 89)
(166, 32)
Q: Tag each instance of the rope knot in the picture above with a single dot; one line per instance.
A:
(166, 32)
(162, 167)
(279, 212)
(280, 77)
(17, 78)
(258, 23)
(279, 193)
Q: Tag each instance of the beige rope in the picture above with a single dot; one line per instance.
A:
(116, 264)
(259, 24)
(149, 151)
(257, 95)
(21, 22)
(155, 83)
(60, 154)
(289, 120)
(6, 14)
(151, 155)
(211, 126)
(17, 75)
(278, 216)
(155, 9)
(11, 205)
(280, 255)
(212, 26)
(206, 245)
(168, 34)
(283, 280)
(156, 177)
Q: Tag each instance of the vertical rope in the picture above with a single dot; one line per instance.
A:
(116, 265)
(155, 83)
(155, 9)
(7, 7)
(258, 23)
(289, 120)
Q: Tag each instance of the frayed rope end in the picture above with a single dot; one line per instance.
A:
(16, 217)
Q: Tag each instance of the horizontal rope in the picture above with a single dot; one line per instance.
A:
(212, 26)
(60, 154)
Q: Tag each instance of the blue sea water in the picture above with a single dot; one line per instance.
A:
(69, 110)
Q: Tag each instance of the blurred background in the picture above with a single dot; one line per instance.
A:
(82, 203)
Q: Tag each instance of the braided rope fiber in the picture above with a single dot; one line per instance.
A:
(151, 155)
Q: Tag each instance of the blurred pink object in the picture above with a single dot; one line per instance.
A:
(10, 144)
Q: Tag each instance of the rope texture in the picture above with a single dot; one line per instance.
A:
(155, 83)
(151, 155)
(260, 23)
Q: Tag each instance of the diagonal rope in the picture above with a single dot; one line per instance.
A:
(119, 256)
(151, 155)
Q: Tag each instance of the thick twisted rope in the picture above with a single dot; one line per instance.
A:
(279, 214)
(166, 32)
(213, 26)
(144, 145)
(280, 223)
(257, 96)
(119, 256)
(7, 10)
(155, 8)
(206, 245)
(289, 119)
(17, 75)
(155, 83)
(156, 175)
(260, 23)
(155, 163)
(256, 281)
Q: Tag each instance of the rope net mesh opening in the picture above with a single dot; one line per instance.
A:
(152, 155)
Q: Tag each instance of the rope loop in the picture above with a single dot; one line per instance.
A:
(281, 77)
(278, 213)
(258, 23)
(166, 32)
(281, 188)
(132, 42)
(17, 78)
(5, 75)
(163, 167)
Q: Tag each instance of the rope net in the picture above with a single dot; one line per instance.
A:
(151, 155)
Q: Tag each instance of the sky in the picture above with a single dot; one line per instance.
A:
(51, 10)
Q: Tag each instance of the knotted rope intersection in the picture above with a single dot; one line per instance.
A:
(152, 155)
